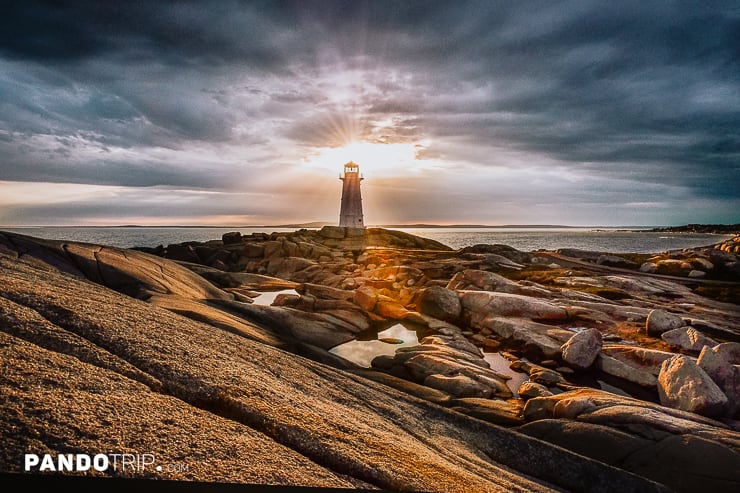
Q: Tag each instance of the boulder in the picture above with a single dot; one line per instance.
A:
(659, 321)
(365, 297)
(724, 374)
(529, 390)
(440, 303)
(286, 299)
(390, 310)
(582, 349)
(615, 261)
(682, 384)
(687, 338)
(539, 340)
(332, 232)
(546, 376)
(702, 264)
(184, 253)
(285, 268)
(232, 238)
(272, 248)
(649, 267)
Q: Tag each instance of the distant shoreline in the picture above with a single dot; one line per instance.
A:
(732, 229)
(321, 225)
(701, 228)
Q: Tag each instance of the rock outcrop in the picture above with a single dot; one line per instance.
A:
(235, 409)
(185, 323)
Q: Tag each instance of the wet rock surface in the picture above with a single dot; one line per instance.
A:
(573, 324)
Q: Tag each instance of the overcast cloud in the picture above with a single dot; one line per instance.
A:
(582, 113)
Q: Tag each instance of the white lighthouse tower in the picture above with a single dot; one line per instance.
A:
(350, 214)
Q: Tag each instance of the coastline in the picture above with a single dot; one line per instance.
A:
(176, 330)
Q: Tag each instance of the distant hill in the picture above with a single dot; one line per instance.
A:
(315, 224)
(474, 226)
(701, 228)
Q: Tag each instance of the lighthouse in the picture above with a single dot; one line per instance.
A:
(350, 214)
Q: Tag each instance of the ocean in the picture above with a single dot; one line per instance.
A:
(525, 239)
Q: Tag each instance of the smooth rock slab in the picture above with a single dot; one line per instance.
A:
(645, 418)
(686, 463)
(620, 369)
(582, 349)
(474, 279)
(505, 413)
(600, 442)
(689, 464)
(423, 365)
(510, 305)
(458, 385)
(730, 351)
(649, 360)
(682, 384)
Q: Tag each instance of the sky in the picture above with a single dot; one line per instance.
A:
(457, 112)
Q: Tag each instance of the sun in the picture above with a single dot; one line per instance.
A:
(370, 156)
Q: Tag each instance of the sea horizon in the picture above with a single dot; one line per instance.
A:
(319, 225)
(608, 239)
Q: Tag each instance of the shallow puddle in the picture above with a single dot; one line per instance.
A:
(267, 297)
(362, 352)
(501, 365)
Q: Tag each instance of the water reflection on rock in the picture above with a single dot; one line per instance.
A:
(502, 365)
(266, 298)
(385, 342)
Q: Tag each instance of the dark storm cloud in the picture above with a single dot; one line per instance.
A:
(633, 92)
(59, 164)
(172, 32)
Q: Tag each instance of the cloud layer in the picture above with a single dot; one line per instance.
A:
(592, 113)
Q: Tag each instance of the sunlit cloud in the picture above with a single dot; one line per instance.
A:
(469, 111)
(378, 159)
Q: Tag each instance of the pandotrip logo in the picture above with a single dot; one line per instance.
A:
(131, 463)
